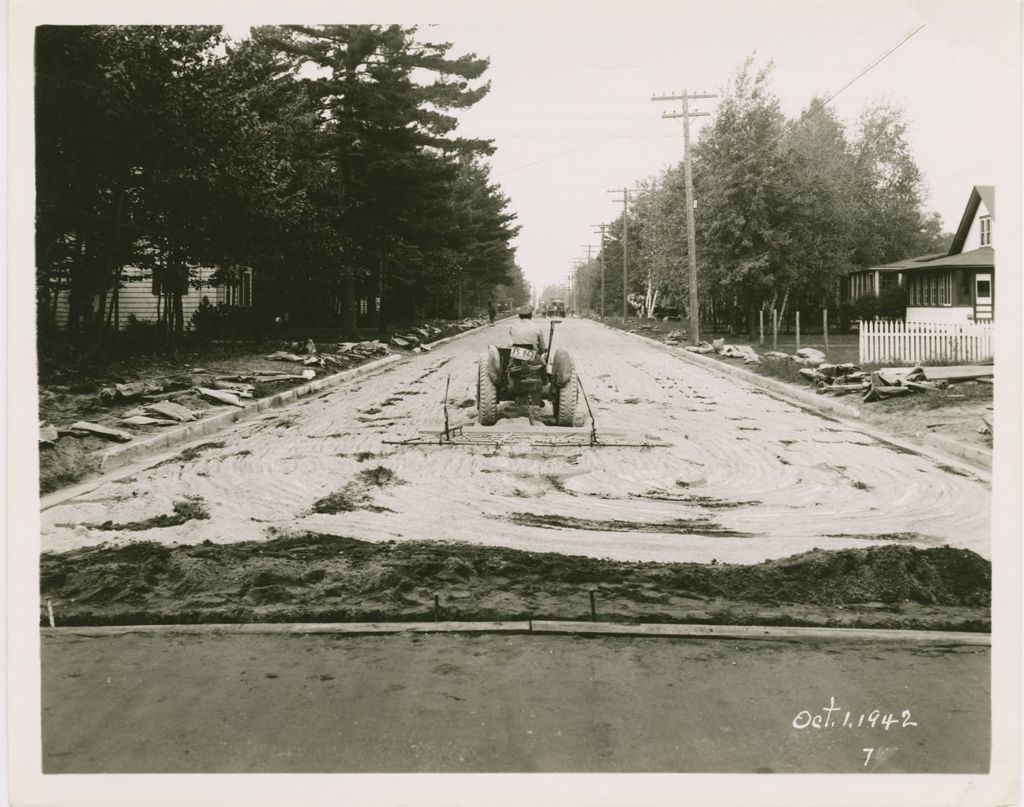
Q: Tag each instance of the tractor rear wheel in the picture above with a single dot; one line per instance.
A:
(486, 393)
(565, 401)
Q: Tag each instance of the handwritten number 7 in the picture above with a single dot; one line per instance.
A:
(869, 752)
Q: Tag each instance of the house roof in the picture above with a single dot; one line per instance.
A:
(906, 263)
(983, 258)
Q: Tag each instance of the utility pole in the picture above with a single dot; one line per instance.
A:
(601, 227)
(574, 285)
(588, 247)
(691, 238)
(625, 244)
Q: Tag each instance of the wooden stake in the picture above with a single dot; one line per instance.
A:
(593, 607)
(775, 329)
(437, 609)
(824, 327)
(49, 611)
(797, 330)
(760, 319)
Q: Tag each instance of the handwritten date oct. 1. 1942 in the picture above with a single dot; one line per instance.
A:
(835, 717)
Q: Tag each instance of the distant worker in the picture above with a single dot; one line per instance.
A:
(491, 312)
(527, 332)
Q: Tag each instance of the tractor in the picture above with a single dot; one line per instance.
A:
(520, 373)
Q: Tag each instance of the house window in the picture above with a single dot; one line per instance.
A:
(945, 281)
(985, 225)
(931, 289)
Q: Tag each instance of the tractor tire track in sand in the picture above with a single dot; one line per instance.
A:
(746, 477)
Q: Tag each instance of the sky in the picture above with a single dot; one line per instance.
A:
(571, 116)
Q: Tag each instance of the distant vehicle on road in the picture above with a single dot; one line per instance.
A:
(555, 308)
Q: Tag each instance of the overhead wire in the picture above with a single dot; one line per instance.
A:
(596, 141)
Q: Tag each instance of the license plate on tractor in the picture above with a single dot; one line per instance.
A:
(524, 354)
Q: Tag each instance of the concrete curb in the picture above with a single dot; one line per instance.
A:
(116, 457)
(543, 627)
(298, 628)
(761, 632)
(974, 454)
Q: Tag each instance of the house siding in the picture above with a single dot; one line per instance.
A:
(136, 297)
(941, 314)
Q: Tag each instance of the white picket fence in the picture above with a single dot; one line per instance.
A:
(911, 342)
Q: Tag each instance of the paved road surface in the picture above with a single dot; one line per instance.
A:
(747, 477)
(493, 703)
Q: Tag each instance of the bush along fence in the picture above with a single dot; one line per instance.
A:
(913, 342)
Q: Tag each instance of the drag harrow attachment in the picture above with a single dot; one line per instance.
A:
(527, 438)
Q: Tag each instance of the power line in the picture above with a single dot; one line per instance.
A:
(557, 155)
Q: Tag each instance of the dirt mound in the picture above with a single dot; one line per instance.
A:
(105, 575)
(888, 574)
(317, 577)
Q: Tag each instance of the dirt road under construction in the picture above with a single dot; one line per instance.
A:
(744, 477)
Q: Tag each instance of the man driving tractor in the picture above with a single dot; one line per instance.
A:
(527, 332)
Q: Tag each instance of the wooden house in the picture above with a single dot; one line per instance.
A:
(139, 296)
(956, 286)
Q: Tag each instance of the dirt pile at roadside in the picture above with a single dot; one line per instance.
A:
(315, 577)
